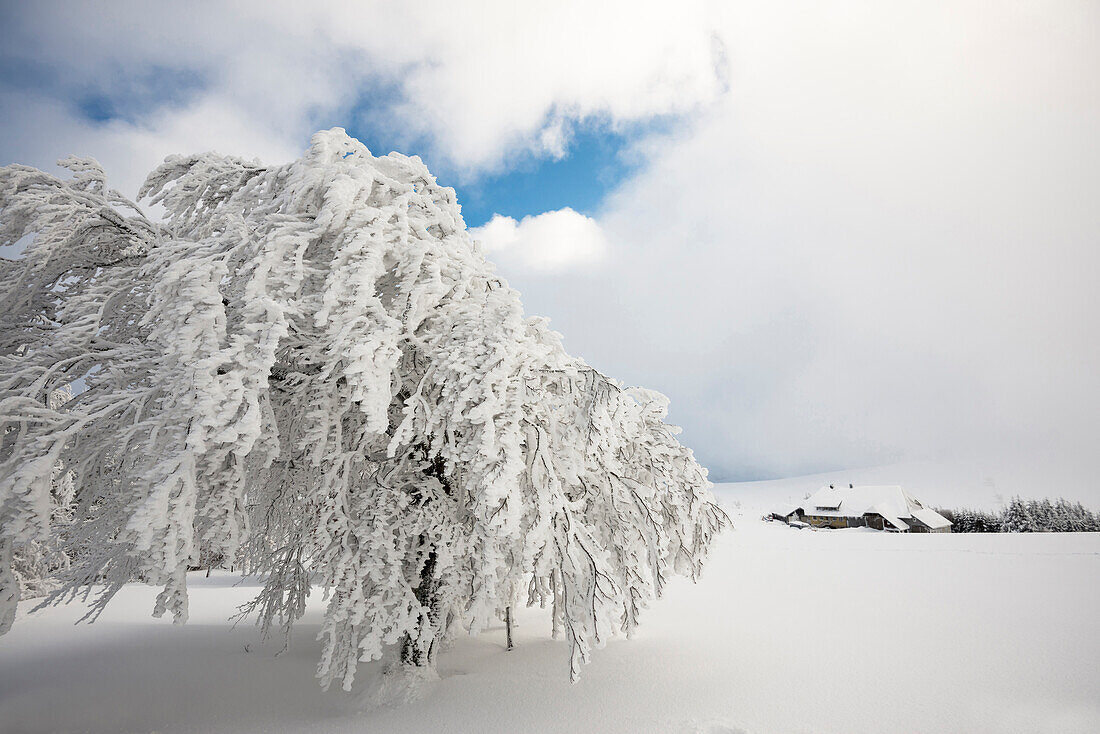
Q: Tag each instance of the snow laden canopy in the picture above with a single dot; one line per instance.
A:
(312, 370)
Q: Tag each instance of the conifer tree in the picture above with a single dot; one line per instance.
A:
(1017, 517)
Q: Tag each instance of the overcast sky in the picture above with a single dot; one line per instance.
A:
(835, 236)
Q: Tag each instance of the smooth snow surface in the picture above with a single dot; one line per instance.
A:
(789, 631)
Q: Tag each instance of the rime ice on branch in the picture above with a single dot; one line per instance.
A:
(312, 369)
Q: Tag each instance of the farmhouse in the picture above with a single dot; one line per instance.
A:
(886, 507)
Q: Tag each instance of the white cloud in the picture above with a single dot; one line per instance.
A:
(880, 242)
(882, 245)
(502, 81)
(476, 88)
(42, 131)
(550, 242)
(258, 91)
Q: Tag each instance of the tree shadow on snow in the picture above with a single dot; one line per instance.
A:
(158, 678)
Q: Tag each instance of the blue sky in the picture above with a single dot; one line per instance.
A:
(835, 236)
(596, 161)
(595, 158)
(594, 164)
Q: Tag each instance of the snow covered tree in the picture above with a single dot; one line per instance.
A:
(313, 369)
(1043, 512)
(1017, 517)
(38, 562)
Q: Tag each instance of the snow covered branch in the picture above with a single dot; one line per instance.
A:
(312, 369)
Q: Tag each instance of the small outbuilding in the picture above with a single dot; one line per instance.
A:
(882, 507)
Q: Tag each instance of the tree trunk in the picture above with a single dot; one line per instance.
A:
(9, 586)
(426, 591)
(413, 653)
(508, 625)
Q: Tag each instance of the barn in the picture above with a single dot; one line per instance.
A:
(882, 507)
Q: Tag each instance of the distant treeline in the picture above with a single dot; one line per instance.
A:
(1025, 516)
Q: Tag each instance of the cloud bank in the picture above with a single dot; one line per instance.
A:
(873, 236)
(880, 246)
(470, 88)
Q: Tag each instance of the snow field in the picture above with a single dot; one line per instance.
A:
(788, 631)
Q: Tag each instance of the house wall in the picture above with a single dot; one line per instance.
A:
(879, 523)
(876, 522)
(919, 527)
(872, 521)
(820, 521)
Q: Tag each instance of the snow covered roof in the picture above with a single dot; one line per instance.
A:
(889, 501)
(789, 509)
(894, 520)
(854, 501)
(931, 518)
(826, 498)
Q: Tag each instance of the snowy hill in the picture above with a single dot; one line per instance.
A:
(788, 631)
